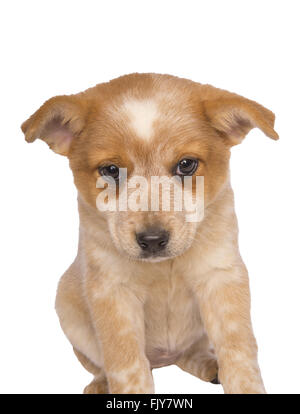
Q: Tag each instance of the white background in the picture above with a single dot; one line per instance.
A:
(61, 47)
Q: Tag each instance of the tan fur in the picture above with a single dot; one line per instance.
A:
(125, 316)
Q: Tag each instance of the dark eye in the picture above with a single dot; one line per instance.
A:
(109, 171)
(186, 166)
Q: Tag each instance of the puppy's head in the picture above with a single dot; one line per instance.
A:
(148, 126)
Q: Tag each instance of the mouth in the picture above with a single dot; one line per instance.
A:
(154, 259)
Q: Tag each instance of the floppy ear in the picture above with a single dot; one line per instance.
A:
(57, 122)
(234, 116)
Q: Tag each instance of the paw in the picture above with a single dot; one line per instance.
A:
(215, 380)
(209, 371)
(97, 386)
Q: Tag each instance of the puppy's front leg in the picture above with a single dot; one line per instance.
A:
(118, 319)
(224, 300)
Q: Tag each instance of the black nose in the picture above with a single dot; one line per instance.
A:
(152, 240)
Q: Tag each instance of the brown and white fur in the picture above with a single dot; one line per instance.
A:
(123, 315)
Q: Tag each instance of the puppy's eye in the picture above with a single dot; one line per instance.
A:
(186, 166)
(109, 171)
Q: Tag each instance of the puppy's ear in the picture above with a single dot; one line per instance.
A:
(234, 116)
(58, 121)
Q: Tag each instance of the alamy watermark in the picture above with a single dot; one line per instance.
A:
(157, 193)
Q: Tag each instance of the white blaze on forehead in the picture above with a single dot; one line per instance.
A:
(142, 114)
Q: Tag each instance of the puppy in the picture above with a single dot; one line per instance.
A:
(150, 288)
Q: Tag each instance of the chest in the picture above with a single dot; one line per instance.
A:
(172, 320)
